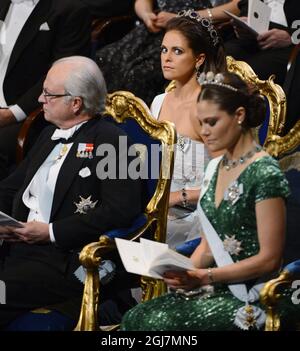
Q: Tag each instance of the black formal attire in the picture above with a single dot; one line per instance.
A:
(268, 61)
(292, 91)
(109, 8)
(133, 62)
(43, 274)
(69, 24)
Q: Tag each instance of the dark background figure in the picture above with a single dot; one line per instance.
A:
(43, 31)
(108, 8)
(270, 54)
(292, 89)
(133, 63)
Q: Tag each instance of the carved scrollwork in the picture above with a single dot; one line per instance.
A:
(123, 105)
(271, 91)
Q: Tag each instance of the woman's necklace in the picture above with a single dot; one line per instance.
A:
(229, 164)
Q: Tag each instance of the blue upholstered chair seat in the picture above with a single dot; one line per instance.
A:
(44, 320)
(188, 247)
(293, 268)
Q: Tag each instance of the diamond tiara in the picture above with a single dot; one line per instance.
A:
(205, 22)
(212, 79)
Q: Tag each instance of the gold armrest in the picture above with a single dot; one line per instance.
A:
(278, 145)
(269, 297)
(90, 258)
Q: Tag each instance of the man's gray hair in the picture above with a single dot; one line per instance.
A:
(87, 81)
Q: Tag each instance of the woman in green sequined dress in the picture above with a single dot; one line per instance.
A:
(242, 196)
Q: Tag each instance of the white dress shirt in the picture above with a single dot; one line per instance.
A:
(277, 13)
(17, 15)
(38, 196)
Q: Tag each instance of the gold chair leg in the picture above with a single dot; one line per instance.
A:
(88, 320)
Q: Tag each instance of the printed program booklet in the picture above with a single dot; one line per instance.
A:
(6, 220)
(244, 25)
(258, 19)
(151, 258)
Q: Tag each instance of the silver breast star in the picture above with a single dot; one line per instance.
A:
(231, 245)
(84, 205)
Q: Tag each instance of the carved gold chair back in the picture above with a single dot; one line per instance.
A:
(132, 114)
(273, 93)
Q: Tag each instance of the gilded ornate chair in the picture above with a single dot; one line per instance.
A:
(274, 95)
(287, 150)
(131, 114)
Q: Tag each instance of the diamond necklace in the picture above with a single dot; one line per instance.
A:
(228, 164)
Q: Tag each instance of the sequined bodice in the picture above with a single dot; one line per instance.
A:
(235, 216)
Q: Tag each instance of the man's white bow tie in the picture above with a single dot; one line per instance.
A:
(19, 1)
(66, 133)
(63, 133)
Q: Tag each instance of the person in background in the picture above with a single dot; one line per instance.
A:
(188, 48)
(109, 8)
(268, 53)
(133, 62)
(34, 33)
(242, 212)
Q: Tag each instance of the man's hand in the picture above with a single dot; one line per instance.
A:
(150, 22)
(34, 232)
(163, 18)
(274, 38)
(6, 117)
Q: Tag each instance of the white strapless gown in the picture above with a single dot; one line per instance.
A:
(191, 158)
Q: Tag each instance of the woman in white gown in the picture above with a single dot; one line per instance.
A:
(190, 46)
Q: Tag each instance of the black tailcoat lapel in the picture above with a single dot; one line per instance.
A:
(31, 28)
(4, 6)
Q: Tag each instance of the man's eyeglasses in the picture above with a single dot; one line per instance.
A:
(53, 96)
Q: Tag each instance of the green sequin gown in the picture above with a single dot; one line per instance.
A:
(260, 180)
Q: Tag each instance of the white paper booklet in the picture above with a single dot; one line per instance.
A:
(259, 15)
(240, 23)
(6, 220)
(258, 18)
(151, 258)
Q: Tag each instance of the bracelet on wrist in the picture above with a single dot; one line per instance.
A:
(184, 197)
(210, 276)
